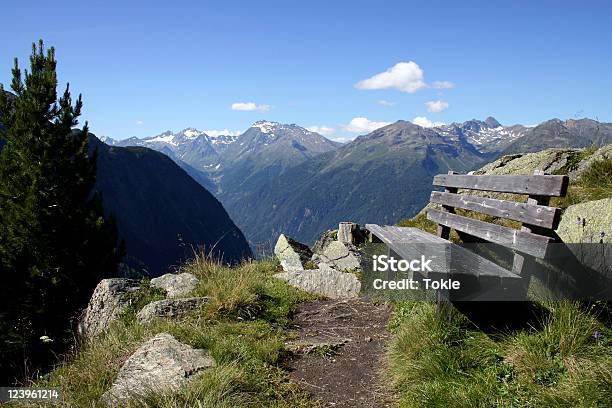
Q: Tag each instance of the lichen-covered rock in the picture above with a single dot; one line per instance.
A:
(587, 229)
(291, 253)
(162, 364)
(109, 300)
(324, 240)
(324, 281)
(549, 161)
(176, 285)
(340, 256)
(170, 308)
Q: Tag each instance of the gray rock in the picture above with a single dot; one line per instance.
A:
(340, 256)
(324, 281)
(109, 300)
(351, 233)
(584, 226)
(176, 285)
(162, 364)
(291, 253)
(170, 308)
(324, 240)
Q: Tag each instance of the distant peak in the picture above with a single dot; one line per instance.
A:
(265, 126)
(192, 132)
(492, 122)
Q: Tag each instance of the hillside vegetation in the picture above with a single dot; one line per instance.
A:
(242, 328)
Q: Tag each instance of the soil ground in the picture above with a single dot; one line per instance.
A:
(347, 368)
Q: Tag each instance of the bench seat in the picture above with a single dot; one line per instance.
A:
(407, 243)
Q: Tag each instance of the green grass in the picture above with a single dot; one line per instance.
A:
(442, 359)
(242, 327)
(594, 184)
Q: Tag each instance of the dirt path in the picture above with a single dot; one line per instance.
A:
(347, 367)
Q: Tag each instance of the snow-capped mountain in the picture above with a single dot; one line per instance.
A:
(486, 136)
(273, 141)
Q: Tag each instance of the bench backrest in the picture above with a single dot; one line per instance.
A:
(537, 218)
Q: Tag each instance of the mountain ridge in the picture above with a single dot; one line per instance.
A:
(283, 178)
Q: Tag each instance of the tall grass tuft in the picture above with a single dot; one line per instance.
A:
(442, 359)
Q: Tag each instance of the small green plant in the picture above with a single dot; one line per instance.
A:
(310, 265)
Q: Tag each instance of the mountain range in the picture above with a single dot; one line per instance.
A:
(283, 178)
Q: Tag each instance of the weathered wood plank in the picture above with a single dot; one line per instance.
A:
(534, 185)
(540, 215)
(443, 231)
(462, 261)
(522, 241)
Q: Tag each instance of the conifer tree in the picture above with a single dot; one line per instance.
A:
(55, 242)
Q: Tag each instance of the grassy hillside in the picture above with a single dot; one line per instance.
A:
(241, 327)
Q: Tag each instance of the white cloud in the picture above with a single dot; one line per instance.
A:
(442, 84)
(215, 133)
(386, 103)
(323, 130)
(424, 122)
(403, 76)
(363, 125)
(249, 107)
(436, 106)
(139, 122)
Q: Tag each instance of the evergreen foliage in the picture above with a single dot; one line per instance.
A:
(55, 244)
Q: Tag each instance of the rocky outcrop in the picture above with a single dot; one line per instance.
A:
(176, 285)
(109, 300)
(293, 255)
(162, 364)
(340, 256)
(170, 308)
(324, 281)
(549, 161)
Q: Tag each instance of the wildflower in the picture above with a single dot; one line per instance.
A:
(46, 339)
(597, 334)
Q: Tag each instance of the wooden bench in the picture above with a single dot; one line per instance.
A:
(538, 221)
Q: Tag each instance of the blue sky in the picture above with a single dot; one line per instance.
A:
(145, 67)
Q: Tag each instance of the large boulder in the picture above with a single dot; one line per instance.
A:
(170, 308)
(587, 229)
(109, 300)
(340, 256)
(291, 253)
(176, 285)
(162, 364)
(324, 281)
